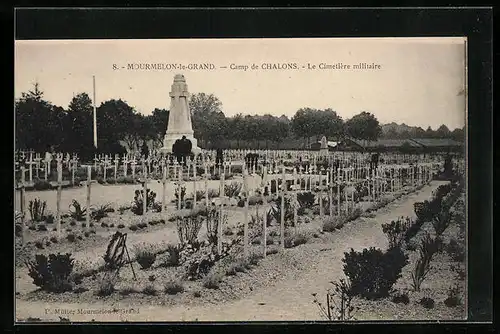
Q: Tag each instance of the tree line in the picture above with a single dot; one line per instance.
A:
(41, 125)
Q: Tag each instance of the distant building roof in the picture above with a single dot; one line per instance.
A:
(437, 142)
(385, 143)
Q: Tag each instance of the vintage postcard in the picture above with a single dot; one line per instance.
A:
(290, 179)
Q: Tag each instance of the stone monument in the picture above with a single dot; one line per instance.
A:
(324, 146)
(179, 118)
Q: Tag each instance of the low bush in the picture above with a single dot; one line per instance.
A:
(71, 237)
(173, 287)
(144, 255)
(149, 290)
(372, 273)
(42, 185)
(295, 239)
(133, 227)
(306, 199)
(77, 212)
(401, 298)
(100, 212)
(52, 273)
(441, 221)
(338, 302)
(427, 302)
(453, 298)
(138, 204)
(426, 210)
(212, 281)
(396, 231)
(173, 256)
(427, 249)
(127, 291)
(121, 226)
(233, 189)
(455, 251)
(106, 287)
(189, 226)
(36, 208)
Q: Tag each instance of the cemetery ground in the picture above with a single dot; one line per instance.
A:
(281, 286)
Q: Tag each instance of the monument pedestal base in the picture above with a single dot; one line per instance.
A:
(169, 141)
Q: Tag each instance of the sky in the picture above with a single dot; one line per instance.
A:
(420, 81)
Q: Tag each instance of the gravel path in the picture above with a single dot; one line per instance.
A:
(288, 298)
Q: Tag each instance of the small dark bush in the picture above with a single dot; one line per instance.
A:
(54, 239)
(455, 251)
(372, 273)
(173, 256)
(401, 298)
(106, 287)
(173, 287)
(144, 256)
(211, 281)
(426, 302)
(78, 212)
(149, 290)
(121, 226)
(306, 199)
(197, 294)
(39, 244)
(42, 228)
(295, 240)
(133, 227)
(72, 223)
(71, 237)
(51, 274)
(453, 297)
(86, 234)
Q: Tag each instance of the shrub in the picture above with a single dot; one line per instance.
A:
(37, 209)
(149, 290)
(295, 240)
(441, 221)
(53, 239)
(401, 298)
(189, 226)
(71, 237)
(396, 231)
(426, 210)
(173, 287)
(212, 281)
(138, 204)
(453, 298)
(212, 193)
(39, 244)
(52, 274)
(144, 255)
(306, 199)
(123, 208)
(157, 207)
(455, 251)
(173, 256)
(426, 302)
(121, 226)
(42, 228)
(227, 231)
(78, 212)
(127, 291)
(213, 219)
(105, 225)
(233, 189)
(133, 227)
(271, 251)
(372, 273)
(197, 294)
(41, 185)
(100, 212)
(427, 249)
(332, 223)
(338, 302)
(106, 287)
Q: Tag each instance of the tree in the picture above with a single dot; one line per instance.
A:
(363, 126)
(38, 123)
(209, 122)
(443, 132)
(78, 124)
(159, 122)
(328, 123)
(458, 134)
(429, 133)
(115, 120)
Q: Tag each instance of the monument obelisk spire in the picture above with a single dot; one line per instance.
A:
(179, 118)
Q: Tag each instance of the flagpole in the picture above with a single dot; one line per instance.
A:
(95, 117)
